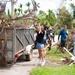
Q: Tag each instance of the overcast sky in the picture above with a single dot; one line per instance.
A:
(44, 4)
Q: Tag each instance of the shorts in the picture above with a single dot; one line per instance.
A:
(44, 41)
(63, 43)
(39, 45)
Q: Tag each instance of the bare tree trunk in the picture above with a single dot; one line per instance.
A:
(34, 5)
(12, 8)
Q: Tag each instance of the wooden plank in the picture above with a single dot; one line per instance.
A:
(19, 40)
(31, 37)
(27, 38)
(22, 50)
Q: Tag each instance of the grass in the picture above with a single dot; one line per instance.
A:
(62, 70)
(55, 59)
(58, 53)
(56, 56)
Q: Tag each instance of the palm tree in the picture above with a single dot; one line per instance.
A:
(15, 10)
(51, 17)
(48, 19)
(35, 5)
(25, 11)
(21, 8)
(28, 5)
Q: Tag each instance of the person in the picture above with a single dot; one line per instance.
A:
(40, 44)
(47, 33)
(53, 34)
(49, 37)
(63, 33)
(50, 33)
(73, 37)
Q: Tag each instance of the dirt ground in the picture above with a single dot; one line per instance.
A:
(20, 67)
(51, 63)
(24, 67)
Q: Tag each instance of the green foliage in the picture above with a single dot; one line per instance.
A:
(15, 10)
(9, 15)
(8, 12)
(18, 10)
(74, 14)
(6, 17)
(48, 19)
(72, 5)
(74, 25)
(25, 11)
(28, 4)
(64, 18)
(20, 6)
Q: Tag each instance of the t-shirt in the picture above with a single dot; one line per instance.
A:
(40, 36)
(63, 33)
(49, 32)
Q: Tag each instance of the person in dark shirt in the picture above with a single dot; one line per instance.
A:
(63, 33)
(49, 36)
(40, 36)
(53, 31)
(40, 44)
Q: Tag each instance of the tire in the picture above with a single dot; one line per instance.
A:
(21, 58)
(29, 56)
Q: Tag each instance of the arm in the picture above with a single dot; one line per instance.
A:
(67, 32)
(59, 35)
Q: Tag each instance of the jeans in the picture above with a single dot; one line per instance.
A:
(39, 45)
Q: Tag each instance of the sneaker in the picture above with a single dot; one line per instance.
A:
(53, 41)
(40, 61)
(43, 63)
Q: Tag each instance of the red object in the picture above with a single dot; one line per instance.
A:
(16, 56)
